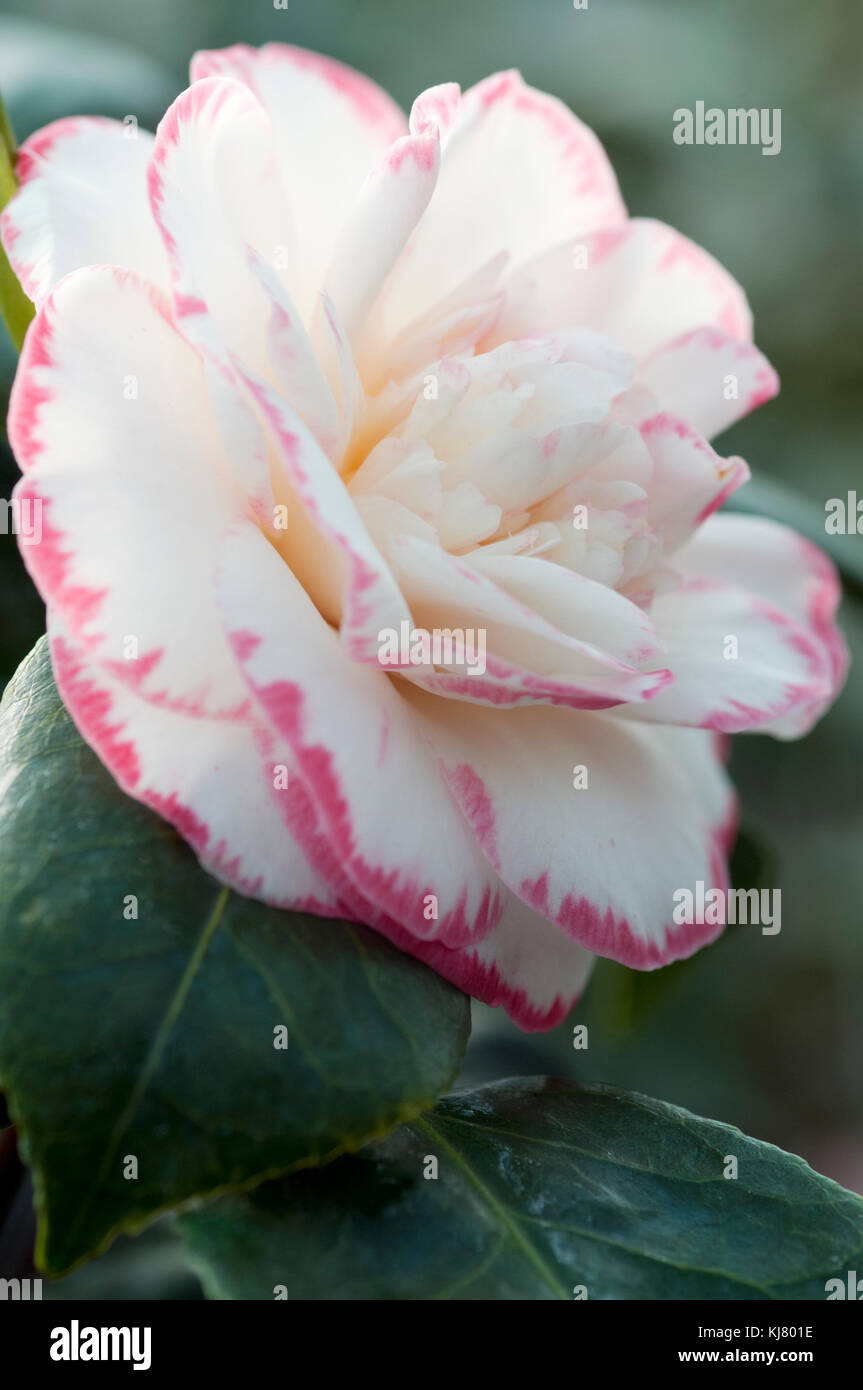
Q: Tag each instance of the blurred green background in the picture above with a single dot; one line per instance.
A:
(763, 1032)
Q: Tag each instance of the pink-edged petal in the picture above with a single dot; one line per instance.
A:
(690, 481)
(528, 659)
(782, 609)
(519, 173)
(389, 819)
(451, 327)
(296, 369)
(218, 203)
(82, 201)
(340, 368)
(326, 541)
(709, 379)
(526, 966)
(308, 92)
(214, 191)
(751, 634)
(581, 608)
(391, 202)
(435, 110)
(110, 421)
(603, 862)
(641, 284)
(739, 663)
(780, 566)
(207, 777)
(523, 964)
(331, 126)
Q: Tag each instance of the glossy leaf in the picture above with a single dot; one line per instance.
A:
(539, 1189)
(138, 1056)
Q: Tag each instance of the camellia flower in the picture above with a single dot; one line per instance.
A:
(304, 373)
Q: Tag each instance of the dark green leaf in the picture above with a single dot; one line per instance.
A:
(543, 1187)
(154, 1038)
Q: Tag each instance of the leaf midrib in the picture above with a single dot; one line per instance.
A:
(503, 1218)
(152, 1060)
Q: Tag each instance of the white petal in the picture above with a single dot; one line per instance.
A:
(389, 205)
(642, 285)
(326, 542)
(756, 584)
(210, 778)
(215, 191)
(519, 173)
(602, 863)
(525, 965)
(709, 378)
(111, 423)
(332, 125)
(374, 783)
(82, 201)
(529, 660)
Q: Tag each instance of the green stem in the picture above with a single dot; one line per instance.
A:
(15, 307)
(7, 134)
